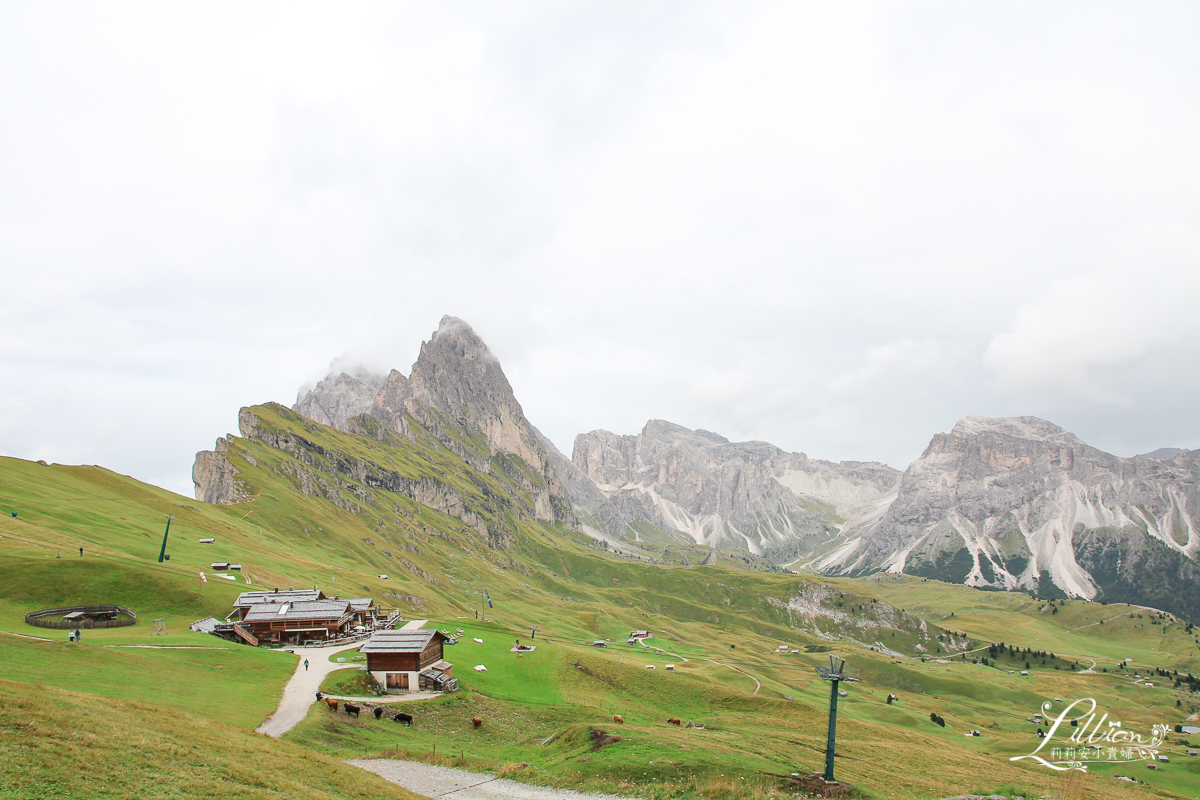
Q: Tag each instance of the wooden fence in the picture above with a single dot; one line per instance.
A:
(52, 618)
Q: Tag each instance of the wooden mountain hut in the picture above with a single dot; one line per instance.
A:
(294, 623)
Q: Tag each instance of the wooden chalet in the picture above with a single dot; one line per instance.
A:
(366, 613)
(296, 622)
(405, 661)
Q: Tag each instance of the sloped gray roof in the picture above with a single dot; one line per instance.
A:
(361, 603)
(320, 609)
(400, 641)
(290, 596)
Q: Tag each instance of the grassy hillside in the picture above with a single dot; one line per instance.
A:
(322, 514)
(60, 744)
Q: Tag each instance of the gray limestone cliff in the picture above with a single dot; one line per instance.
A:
(743, 495)
(1020, 503)
(597, 513)
(215, 477)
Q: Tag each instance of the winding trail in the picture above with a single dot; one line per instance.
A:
(1090, 624)
(757, 685)
(27, 636)
(301, 690)
(659, 649)
(457, 784)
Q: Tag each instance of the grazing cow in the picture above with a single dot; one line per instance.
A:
(349, 709)
(378, 712)
(403, 719)
(329, 701)
(618, 719)
(674, 721)
(477, 721)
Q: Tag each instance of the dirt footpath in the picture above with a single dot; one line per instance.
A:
(456, 784)
(301, 690)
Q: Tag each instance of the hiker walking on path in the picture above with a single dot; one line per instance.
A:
(306, 665)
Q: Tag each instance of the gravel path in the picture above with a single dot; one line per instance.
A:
(301, 690)
(457, 784)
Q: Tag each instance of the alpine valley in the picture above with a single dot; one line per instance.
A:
(1008, 571)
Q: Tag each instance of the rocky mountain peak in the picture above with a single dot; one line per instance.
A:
(456, 391)
(1031, 428)
(664, 431)
(338, 398)
(1162, 452)
(457, 374)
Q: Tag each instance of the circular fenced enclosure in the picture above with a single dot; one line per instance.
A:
(82, 617)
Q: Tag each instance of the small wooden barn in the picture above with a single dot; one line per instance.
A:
(405, 661)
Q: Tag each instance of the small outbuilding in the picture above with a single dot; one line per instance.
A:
(405, 661)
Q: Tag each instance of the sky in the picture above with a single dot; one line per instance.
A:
(836, 227)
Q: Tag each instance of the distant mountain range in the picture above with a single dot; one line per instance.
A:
(1006, 504)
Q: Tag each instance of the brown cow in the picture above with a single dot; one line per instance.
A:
(674, 721)
(333, 704)
(618, 719)
(477, 721)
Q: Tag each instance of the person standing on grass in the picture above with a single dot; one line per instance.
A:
(81, 551)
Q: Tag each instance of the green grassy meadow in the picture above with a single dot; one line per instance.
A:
(764, 712)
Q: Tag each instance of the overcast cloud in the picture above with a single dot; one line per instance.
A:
(837, 227)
